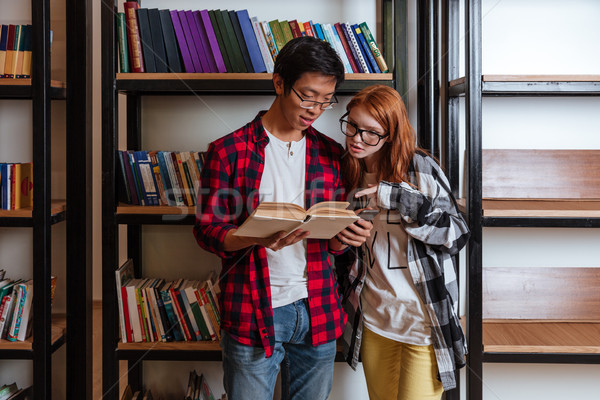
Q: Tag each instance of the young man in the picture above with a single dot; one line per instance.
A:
(279, 302)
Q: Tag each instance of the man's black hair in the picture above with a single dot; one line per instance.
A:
(307, 54)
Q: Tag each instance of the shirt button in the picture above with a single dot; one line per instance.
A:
(291, 153)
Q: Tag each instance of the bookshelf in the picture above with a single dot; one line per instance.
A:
(53, 331)
(565, 329)
(119, 220)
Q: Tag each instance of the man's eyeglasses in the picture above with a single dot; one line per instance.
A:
(310, 104)
(369, 138)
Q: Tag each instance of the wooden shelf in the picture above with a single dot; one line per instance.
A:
(534, 336)
(541, 208)
(21, 89)
(536, 85)
(156, 215)
(229, 83)
(171, 346)
(22, 217)
(59, 329)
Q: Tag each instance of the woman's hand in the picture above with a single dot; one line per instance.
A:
(356, 234)
(370, 193)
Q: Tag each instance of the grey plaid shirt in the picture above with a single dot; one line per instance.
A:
(436, 232)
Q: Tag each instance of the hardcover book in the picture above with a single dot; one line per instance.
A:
(212, 40)
(323, 220)
(170, 42)
(146, 40)
(133, 37)
(158, 43)
(373, 46)
(188, 65)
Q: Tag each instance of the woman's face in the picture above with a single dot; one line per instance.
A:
(359, 117)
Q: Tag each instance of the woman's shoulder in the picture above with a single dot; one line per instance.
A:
(425, 163)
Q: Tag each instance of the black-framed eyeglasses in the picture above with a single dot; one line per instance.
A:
(310, 104)
(368, 137)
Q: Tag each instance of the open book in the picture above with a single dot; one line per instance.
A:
(323, 220)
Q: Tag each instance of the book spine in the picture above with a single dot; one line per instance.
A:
(133, 37)
(356, 49)
(3, 40)
(197, 315)
(308, 29)
(142, 315)
(262, 43)
(211, 330)
(171, 161)
(122, 38)
(277, 34)
(127, 332)
(163, 316)
(286, 30)
(319, 31)
(230, 39)
(27, 52)
(21, 52)
(212, 40)
(181, 178)
(158, 43)
(212, 14)
(17, 314)
(366, 50)
(131, 182)
(170, 41)
(337, 45)
(210, 59)
(346, 46)
(295, 28)
(193, 24)
(176, 328)
(185, 305)
(373, 46)
(10, 51)
(211, 314)
(176, 299)
(270, 40)
(240, 41)
(187, 32)
(188, 65)
(146, 40)
(134, 316)
(164, 173)
(25, 328)
(15, 59)
(158, 178)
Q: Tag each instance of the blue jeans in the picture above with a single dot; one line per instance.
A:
(306, 371)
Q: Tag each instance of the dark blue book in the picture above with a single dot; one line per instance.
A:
(258, 64)
(366, 50)
(146, 39)
(158, 43)
(170, 41)
(171, 315)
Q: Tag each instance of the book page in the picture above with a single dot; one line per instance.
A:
(261, 226)
(326, 227)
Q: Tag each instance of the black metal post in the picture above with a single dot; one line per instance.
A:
(399, 41)
(427, 70)
(110, 257)
(474, 202)
(79, 200)
(42, 266)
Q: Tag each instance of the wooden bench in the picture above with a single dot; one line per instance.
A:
(541, 310)
(541, 183)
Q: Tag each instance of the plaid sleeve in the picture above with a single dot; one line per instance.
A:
(430, 213)
(214, 217)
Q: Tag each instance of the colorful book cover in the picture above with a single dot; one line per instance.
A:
(212, 40)
(338, 28)
(10, 51)
(188, 65)
(277, 34)
(269, 38)
(360, 61)
(133, 37)
(25, 185)
(308, 29)
(295, 28)
(373, 67)
(193, 24)
(122, 43)
(210, 58)
(190, 41)
(262, 43)
(251, 41)
(286, 30)
(370, 39)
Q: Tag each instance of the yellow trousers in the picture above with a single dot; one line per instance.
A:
(399, 371)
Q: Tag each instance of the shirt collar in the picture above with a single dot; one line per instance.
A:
(260, 135)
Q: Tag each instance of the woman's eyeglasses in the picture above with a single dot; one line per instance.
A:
(369, 138)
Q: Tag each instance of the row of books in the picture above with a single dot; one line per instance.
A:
(154, 310)
(15, 51)
(16, 185)
(16, 312)
(198, 388)
(219, 41)
(159, 178)
(129, 394)
(12, 392)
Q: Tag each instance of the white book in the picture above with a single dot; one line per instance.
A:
(262, 44)
(26, 315)
(134, 317)
(354, 43)
(337, 45)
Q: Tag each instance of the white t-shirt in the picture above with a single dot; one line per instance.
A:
(283, 180)
(390, 303)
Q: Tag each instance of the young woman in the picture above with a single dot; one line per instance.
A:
(400, 289)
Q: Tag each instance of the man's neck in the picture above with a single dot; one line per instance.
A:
(277, 126)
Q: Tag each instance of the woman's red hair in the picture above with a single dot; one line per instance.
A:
(387, 107)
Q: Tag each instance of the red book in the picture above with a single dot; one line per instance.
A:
(128, 328)
(346, 46)
(308, 29)
(296, 32)
(179, 313)
(133, 36)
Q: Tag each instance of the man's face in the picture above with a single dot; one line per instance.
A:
(310, 86)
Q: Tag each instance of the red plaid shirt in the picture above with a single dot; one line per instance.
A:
(230, 181)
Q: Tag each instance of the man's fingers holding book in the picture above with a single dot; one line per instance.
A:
(280, 240)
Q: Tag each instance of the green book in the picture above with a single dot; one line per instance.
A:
(277, 34)
(374, 48)
(122, 38)
(217, 23)
(286, 30)
(231, 43)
